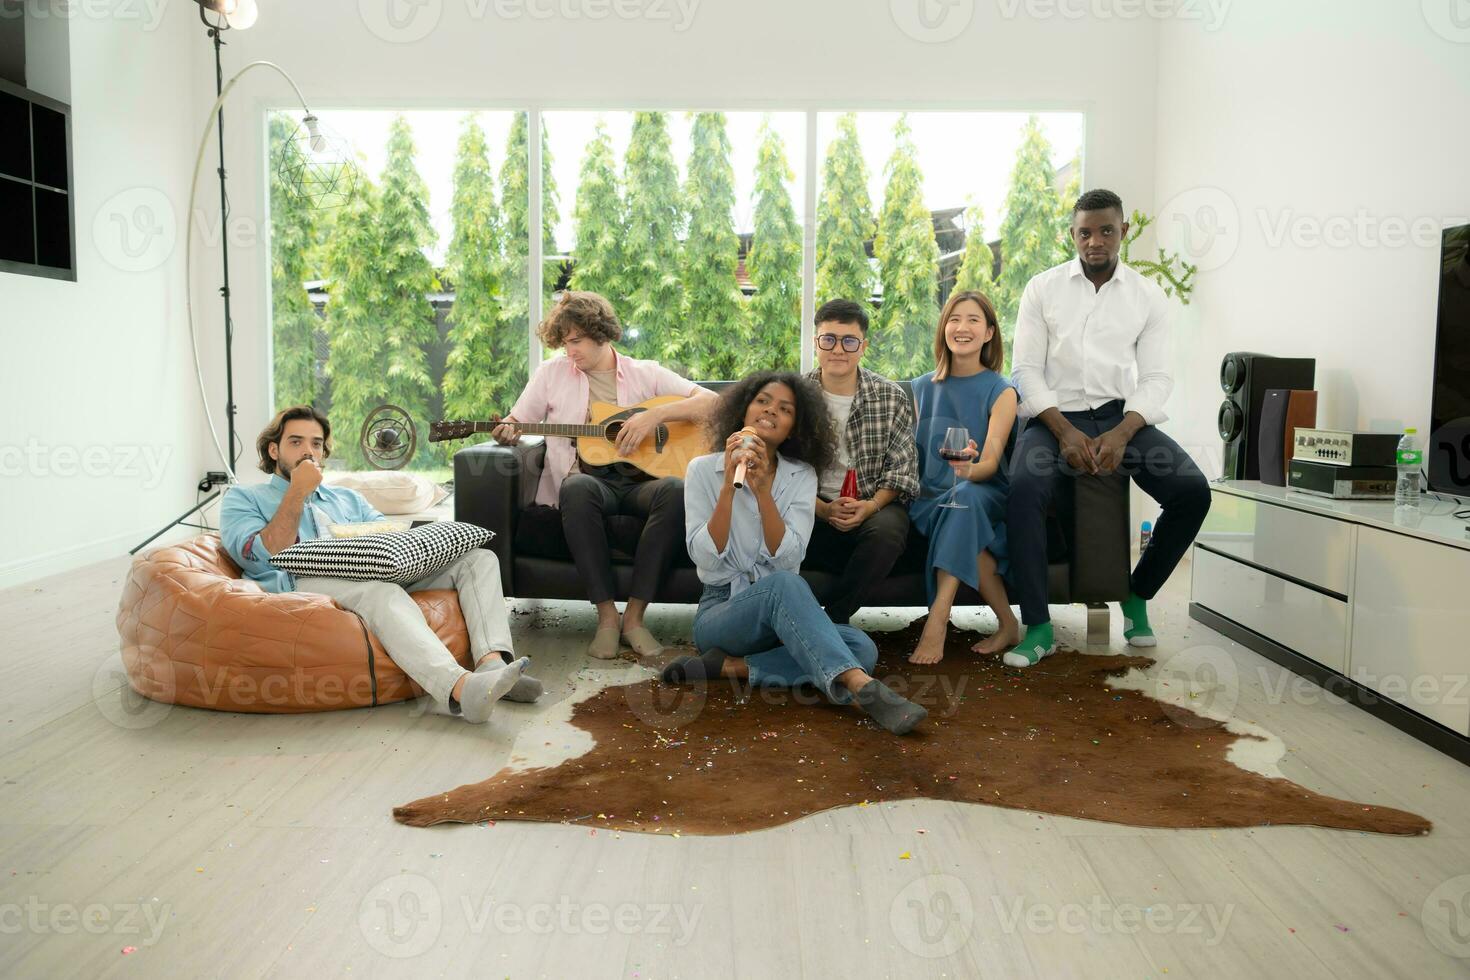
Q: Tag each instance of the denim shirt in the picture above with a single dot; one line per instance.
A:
(247, 510)
(745, 559)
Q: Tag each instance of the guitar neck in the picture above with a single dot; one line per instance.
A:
(565, 431)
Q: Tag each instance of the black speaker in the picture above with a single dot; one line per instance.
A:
(1244, 377)
(1282, 413)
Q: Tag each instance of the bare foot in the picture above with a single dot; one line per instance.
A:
(930, 649)
(1001, 640)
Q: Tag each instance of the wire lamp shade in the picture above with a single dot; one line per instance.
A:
(314, 165)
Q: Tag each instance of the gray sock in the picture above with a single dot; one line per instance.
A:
(481, 691)
(887, 708)
(706, 666)
(525, 690)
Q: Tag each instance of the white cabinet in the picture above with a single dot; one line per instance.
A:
(1411, 625)
(1318, 583)
(1304, 620)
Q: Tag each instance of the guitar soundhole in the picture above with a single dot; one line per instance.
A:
(612, 430)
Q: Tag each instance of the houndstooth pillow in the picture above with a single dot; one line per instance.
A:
(400, 556)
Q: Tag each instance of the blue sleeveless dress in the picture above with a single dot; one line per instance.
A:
(956, 537)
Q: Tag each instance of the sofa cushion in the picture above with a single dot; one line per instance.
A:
(391, 491)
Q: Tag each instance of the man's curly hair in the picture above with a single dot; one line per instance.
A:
(813, 440)
(590, 314)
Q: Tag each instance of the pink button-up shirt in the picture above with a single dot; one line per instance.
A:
(559, 392)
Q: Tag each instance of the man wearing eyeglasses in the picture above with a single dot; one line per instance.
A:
(860, 537)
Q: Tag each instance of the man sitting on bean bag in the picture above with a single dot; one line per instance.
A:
(256, 522)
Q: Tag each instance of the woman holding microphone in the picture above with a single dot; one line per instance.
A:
(749, 509)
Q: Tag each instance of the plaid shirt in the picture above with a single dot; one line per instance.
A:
(880, 437)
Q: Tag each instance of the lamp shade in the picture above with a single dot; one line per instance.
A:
(314, 165)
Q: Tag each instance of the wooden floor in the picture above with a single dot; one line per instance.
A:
(234, 845)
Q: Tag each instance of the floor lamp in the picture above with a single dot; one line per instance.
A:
(312, 164)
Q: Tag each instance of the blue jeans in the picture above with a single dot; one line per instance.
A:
(780, 630)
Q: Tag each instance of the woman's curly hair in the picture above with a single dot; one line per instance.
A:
(813, 440)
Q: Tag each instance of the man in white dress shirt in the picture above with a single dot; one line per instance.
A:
(1091, 362)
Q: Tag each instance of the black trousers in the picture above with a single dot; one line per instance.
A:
(863, 557)
(587, 501)
(1154, 461)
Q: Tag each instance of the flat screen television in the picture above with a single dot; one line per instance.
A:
(1449, 437)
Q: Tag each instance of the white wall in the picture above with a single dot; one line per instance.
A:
(101, 444)
(751, 54)
(1344, 118)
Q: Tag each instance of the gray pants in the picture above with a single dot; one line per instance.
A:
(398, 624)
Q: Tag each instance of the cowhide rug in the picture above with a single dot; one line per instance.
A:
(1057, 738)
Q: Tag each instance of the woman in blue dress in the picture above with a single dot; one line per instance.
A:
(966, 543)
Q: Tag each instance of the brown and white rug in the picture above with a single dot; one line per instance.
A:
(1073, 736)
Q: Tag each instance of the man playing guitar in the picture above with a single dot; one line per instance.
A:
(562, 390)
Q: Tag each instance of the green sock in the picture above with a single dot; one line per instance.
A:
(1037, 642)
(1135, 616)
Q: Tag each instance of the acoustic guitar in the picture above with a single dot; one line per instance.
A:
(666, 453)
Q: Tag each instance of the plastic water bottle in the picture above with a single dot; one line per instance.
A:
(1410, 461)
(1145, 533)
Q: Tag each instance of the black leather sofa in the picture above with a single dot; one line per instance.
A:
(495, 486)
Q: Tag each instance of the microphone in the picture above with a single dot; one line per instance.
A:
(745, 444)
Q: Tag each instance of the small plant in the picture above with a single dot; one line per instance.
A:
(1176, 282)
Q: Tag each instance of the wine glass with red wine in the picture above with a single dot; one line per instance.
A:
(955, 447)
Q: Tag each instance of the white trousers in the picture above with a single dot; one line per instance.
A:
(398, 624)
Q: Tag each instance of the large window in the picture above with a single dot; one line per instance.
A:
(417, 291)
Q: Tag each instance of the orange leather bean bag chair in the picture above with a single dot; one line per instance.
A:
(194, 632)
